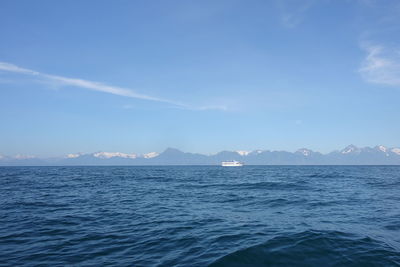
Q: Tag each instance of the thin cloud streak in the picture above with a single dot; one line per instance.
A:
(381, 65)
(97, 86)
(292, 13)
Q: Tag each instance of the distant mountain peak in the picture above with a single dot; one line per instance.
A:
(350, 149)
(382, 148)
(304, 151)
(171, 150)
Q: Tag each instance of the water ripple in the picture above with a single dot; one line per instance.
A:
(314, 248)
(199, 216)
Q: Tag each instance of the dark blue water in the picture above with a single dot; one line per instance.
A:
(199, 216)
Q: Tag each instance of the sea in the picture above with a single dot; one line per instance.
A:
(200, 216)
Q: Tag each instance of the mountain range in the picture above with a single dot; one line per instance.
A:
(350, 155)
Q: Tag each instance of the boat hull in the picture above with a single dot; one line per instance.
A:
(231, 164)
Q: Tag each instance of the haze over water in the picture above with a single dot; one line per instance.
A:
(200, 215)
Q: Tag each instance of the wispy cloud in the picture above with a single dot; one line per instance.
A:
(97, 86)
(381, 65)
(292, 13)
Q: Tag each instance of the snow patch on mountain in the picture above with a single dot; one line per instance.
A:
(350, 149)
(396, 151)
(304, 151)
(150, 155)
(383, 148)
(107, 155)
(243, 152)
(74, 155)
(19, 156)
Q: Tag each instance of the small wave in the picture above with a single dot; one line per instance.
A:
(251, 186)
(320, 203)
(314, 248)
(394, 227)
(327, 175)
(274, 203)
(40, 204)
(270, 186)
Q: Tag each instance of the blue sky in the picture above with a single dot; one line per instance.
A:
(200, 76)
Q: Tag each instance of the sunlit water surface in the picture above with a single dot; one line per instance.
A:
(200, 215)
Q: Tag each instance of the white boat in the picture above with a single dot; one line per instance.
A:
(232, 163)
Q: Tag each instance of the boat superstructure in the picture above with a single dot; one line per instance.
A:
(231, 163)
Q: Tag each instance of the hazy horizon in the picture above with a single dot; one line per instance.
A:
(151, 154)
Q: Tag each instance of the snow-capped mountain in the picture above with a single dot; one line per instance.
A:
(382, 148)
(150, 155)
(108, 155)
(395, 150)
(72, 156)
(304, 151)
(350, 155)
(20, 156)
(351, 149)
(243, 152)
